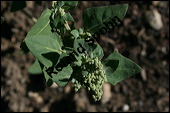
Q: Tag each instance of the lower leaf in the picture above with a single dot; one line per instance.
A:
(122, 68)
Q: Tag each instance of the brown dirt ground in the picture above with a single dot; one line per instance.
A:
(147, 91)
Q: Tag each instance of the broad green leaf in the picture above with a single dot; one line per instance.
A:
(75, 33)
(42, 26)
(41, 41)
(79, 48)
(68, 17)
(95, 19)
(68, 42)
(98, 52)
(121, 66)
(2, 19)
(92, 51)
(62, 77)
(17, 5)
(35, 68)
(41, 45)
(110, 66)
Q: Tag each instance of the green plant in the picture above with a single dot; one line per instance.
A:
(64, 53)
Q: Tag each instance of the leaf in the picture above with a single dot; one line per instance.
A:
(43, 44)
(40, 40)
(75, 33)
(35, 68)
(2, 19)
(62, 77)
(17, 5)
(94, 18)
(68, 17)
(60, 3)
(92, 51)
(110, 66)
(49, 81)
(122, 68)
(52, 56)
(42, 26)
(68, 42)
(38, 29)
(71, 4)
(80, 30)
(98, 52)
(56, 21)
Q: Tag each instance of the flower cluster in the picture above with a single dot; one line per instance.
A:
(92, 77)
(61, 11)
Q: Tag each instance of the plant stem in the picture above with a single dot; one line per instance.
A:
(53, 2)
(67, 26)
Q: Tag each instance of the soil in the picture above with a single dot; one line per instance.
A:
(134, 38)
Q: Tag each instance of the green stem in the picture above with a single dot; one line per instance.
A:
(53, 2)
(67, 26)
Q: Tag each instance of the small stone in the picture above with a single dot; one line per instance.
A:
(153, 18)
(125, 107)
(67, 89)
(143, 74)
(106, 93)
(36, 97)
(54, 85)
(155, 3)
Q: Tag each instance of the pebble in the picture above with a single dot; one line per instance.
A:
(153, 18)
(125, 107)
(106, 93)
(36, 96)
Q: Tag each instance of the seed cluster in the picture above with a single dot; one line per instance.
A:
(61, 11)
(92, 77)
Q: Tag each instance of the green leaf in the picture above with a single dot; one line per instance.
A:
(35, 68)
(43, 44)
(94, 18)
(121, 66)
(75, 33)
(71, 4)
(60, 3)
(17, 5)
(98, 52)
(49, 81)
(68, 42)
(56, 21)
(92, 51)
(42, 26)
(68, 17)
(81, 30)
(2, 19)
(62, 77)
(40, 40)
